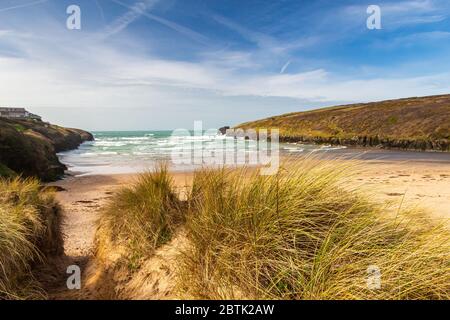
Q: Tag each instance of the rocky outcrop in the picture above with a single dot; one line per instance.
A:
(29, 147)
(223, 130)
(377, 142)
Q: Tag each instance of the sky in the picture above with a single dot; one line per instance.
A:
(163, 64)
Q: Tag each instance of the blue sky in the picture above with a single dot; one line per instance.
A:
(153, 64)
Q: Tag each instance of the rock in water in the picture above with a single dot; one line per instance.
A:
(223, 130)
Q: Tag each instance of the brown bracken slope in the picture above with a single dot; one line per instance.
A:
(412, 123)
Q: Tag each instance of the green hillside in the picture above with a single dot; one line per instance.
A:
(412, 123)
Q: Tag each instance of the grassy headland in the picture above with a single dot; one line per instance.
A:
(29, 148)
(413, 123)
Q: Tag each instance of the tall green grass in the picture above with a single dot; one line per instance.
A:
(29, 232)
(303, 234)
(141, 217)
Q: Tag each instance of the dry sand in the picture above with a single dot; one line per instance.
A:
(81, 201)
(410, 184)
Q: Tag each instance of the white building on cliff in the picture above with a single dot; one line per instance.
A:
(18, 113)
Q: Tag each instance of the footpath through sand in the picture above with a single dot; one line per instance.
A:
(81, 201)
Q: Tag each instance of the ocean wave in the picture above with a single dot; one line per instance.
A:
(136, 138)
(194, 138)
(90, 154)
(113, 151)
(109, 144)
(140, 153)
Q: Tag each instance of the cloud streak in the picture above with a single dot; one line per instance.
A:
(135, 12)
(283, 69)
(100, 10)
(170, 24)
(25, 5)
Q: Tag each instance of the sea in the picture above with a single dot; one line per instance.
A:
(124, 152)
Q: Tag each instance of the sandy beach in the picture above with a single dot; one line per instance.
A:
(410, 184)
(400, 181)
(403, 183)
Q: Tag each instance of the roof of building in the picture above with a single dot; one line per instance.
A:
(12, 109)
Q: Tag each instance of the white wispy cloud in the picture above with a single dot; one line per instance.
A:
(170, 24)
(264, 41)
(284, 67)
(106, 76)
(23, 5)
(229, 59)
(100, 9)
(134, 12)
(5, 33)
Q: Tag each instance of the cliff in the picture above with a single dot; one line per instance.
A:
(29, 147)
(411, 124)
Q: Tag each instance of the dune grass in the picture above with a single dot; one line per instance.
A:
(302, 234)
(142, 217)
(29, 232)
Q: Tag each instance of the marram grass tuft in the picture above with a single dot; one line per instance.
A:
(29, 232)
(304, 234)
(140, 218)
